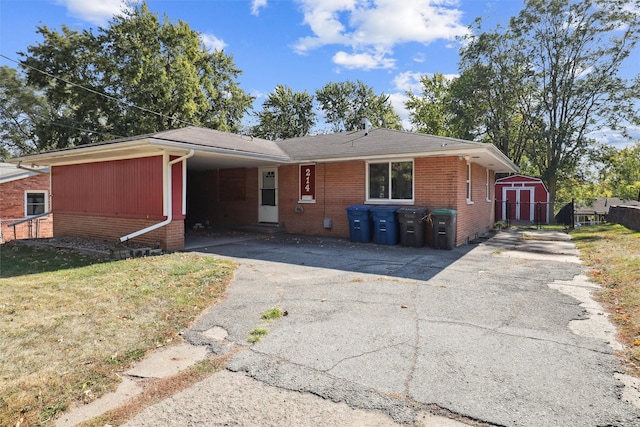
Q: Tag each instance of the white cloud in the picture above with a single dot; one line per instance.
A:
(378, 25)
(615, 138)
(212, 42)
(96, 12)
(408, 81)
(397, 101)
(366, 61)
(256, 5)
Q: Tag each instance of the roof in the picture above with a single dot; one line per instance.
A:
(11, 172)
(215, 149)
(518, 178)
(601, 206)
(386, 143)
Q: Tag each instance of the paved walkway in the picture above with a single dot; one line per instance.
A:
(499, 333)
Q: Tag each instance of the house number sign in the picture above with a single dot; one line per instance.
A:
(307, 182)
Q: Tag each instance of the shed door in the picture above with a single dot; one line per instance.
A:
(268, 195)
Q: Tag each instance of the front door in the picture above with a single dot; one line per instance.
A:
(268, 195)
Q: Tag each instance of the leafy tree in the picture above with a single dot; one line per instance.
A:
(621, 174)
(285, 114)
(22, 109)
(492, 93)
(431, 112)
(345, 104)
(156, 75)
(560, 78)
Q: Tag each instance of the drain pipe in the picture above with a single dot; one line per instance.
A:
(168, 197)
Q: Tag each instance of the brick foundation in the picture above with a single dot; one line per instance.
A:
(170, 237)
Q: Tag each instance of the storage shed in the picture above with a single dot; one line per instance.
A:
(523, 199)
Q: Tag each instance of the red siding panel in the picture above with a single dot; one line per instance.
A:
(131, 188)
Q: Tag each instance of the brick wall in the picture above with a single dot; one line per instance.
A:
(111, 228)
(12, 209)
(439, 183)
(477, 217)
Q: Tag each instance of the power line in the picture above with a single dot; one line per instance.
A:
(128, 104)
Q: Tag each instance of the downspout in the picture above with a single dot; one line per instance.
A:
(168, 192)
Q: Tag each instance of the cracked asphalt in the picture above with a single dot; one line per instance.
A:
(480, 334)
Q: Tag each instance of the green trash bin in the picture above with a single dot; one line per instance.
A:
(444, 228)
(412, 226)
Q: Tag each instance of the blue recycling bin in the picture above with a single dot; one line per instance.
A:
(359, 223)
(385, 225)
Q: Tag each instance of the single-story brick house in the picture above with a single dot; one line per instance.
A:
(150, 187)
(24, 199)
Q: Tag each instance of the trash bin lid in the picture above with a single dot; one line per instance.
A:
(384, 208)
(413, 210)
(358, 208)
(444, 212)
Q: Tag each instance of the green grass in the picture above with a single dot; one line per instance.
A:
(612, 252)
(256, 334)
(272, 313)
(69, 323)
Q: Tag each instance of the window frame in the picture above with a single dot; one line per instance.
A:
(389, 200)
(45, 193)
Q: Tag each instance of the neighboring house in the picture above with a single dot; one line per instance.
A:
(148, 187)
(597, 211)
(24, 194)
(522, 199)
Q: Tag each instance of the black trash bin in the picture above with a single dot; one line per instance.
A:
(444, 228)
(385, 225)
(359, 223)
(412, 226)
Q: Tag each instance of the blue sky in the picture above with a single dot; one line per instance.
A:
(304, 44)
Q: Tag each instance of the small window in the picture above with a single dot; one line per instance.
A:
(469, 198)
(35, 203)
(390, 181)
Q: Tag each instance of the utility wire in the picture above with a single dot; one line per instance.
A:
(128, 104)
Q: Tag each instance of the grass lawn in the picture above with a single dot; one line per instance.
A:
(70, 323)
(613, 254)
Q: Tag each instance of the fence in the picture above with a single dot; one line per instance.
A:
(534, 213)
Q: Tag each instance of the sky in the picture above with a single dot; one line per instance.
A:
(303, 44)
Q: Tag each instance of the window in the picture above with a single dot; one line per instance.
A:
(35, 203)
(390, 181)
(469, 198)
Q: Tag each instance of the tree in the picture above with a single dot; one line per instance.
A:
(285, 114)
(563, 59)
(434, 111)
(135, 76)
(493, 91)
(23, 112)
(621, 174)
(345, 104)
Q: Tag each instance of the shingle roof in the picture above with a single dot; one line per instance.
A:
(601, 206)
(375, 142)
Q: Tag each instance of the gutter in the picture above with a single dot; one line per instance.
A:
(167, 198)
(19, 166)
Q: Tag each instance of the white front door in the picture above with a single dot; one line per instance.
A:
(268, 195)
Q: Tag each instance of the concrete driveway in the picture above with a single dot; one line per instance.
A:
(497, 333)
